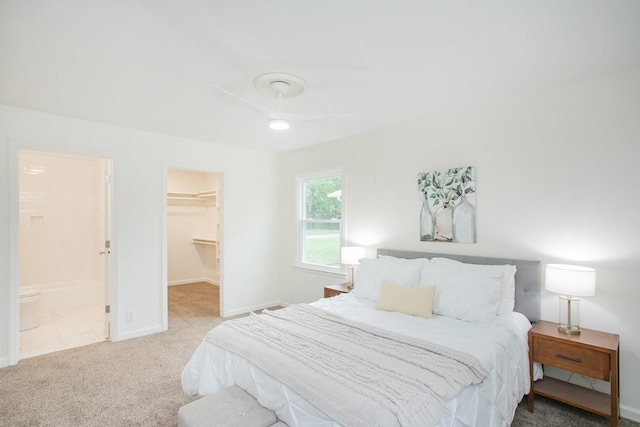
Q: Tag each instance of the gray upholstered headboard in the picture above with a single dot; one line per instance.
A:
(527, 276)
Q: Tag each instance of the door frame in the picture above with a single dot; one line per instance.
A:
(193, 167)
(107, 237)
(14, 147)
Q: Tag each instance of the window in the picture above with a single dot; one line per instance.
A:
(320, 220)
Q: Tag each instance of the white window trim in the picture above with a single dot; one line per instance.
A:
(339, 270)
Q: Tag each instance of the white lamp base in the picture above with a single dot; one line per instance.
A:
(352, 282)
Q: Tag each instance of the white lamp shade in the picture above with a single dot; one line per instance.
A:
(351, 255)
(570, 280)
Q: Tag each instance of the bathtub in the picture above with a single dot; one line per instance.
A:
(66, 295)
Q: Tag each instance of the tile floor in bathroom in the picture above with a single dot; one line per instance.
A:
(62, 330)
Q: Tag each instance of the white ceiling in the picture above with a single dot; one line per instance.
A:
(151, 64)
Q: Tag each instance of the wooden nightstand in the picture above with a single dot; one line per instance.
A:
(333, 290)
(592, 353)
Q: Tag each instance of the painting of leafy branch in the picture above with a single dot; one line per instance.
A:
(447, 212)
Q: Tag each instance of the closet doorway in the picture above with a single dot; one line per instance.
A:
(64, 209)
(193, 243)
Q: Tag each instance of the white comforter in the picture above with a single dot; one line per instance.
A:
(502, 350)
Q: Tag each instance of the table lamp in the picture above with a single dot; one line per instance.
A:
(572, 281)
(350, 256)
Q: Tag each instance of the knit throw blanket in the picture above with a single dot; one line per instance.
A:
(356, 374)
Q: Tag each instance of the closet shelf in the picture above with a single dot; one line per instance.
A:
(209, 196)
(205, 242)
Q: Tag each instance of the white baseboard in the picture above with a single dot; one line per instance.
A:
(630, 413)
(4, 361)
(190, 281)
(138, 333)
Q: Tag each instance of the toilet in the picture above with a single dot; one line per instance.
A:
(29, 298)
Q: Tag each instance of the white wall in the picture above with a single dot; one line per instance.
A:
(139, 165)
(556, 179)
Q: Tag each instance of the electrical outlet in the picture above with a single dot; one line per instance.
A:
(129, 316)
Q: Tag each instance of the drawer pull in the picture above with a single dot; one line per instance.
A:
(573, 359)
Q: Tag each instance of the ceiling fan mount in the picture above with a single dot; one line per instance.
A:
(280, 85)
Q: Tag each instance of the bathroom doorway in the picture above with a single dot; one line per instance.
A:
(193, 243)
(64, 209)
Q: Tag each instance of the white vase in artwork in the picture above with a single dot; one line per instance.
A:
(426, 222)
(464, 222)
(443, 219)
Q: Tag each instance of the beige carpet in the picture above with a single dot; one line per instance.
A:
(192, 301)
(137, 382)
(128, 383)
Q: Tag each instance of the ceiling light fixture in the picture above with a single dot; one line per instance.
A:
(279, 124)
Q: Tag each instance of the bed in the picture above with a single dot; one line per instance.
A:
(377, 356)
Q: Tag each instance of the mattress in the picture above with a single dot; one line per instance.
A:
(501, 348)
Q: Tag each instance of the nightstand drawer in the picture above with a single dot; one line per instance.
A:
(572, 358)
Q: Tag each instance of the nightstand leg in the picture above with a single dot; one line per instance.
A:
(531, 393)
(615, 389)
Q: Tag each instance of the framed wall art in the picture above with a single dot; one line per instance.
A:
(448, 205)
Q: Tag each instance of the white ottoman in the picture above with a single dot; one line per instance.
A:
(231, 407)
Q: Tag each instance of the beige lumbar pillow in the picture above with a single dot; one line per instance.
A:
(414, 301)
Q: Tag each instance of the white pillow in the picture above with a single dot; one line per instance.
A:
(371, 272)
(409, 260)
(432, 273)
(508, 282)
(414, 301)
(468, 296)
